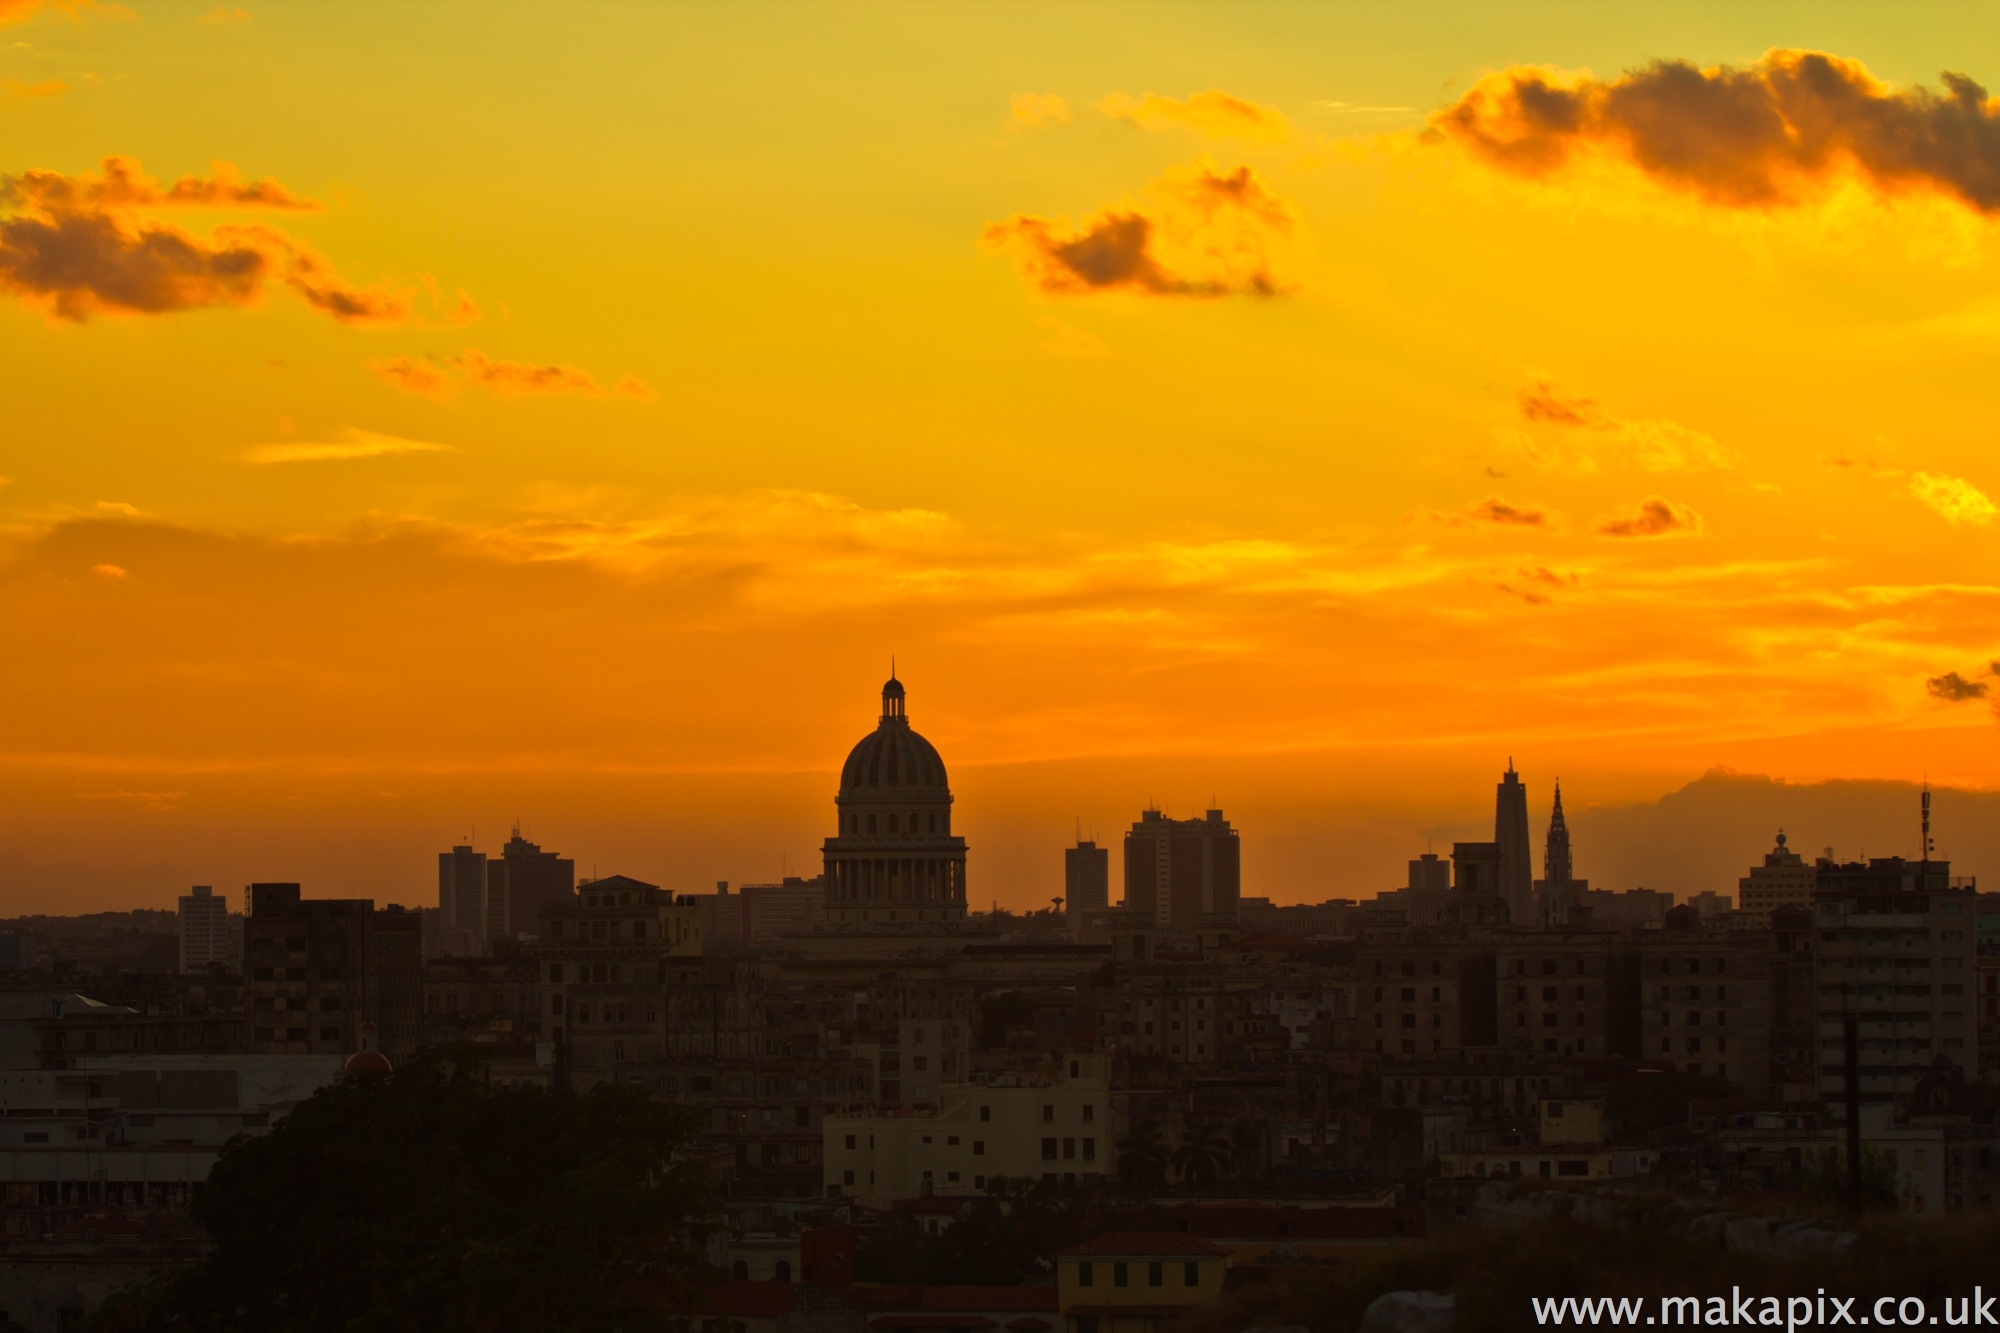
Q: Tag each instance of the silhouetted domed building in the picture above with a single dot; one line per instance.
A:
(893, 860)
(367, 1060)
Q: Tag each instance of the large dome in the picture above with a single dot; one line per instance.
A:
(893, 761)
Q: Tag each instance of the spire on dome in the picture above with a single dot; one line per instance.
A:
(892, 697)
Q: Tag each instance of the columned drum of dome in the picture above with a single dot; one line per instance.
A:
(892, 860)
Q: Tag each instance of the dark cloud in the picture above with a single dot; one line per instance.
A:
(1760, 135)
(1954, 688)
(123, 184)
(1541, 402)
(1495, 510)
(78, 246)
(1654, 517)
(1204, 232)
(80, 264)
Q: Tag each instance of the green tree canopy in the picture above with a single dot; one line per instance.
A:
(429, 1199)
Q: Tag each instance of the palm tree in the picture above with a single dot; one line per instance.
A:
(1247, 1137)
(1202, 1155)
(1142, 1157)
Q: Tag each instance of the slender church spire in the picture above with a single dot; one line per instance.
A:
(1556, 868)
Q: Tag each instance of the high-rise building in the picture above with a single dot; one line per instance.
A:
(461, 925)
(315, 969)
(1430, 873)
(518, 882)
(204, 929)
(1558, 892)
(894, 861)
(1428, 892)
(1183, 872)
(1784, 880)
(1086, 877)
(1510, 838)
(1896, 951)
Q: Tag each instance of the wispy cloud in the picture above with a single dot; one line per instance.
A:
(1201, 231)
(352, 444)
(442, 377)
(1036, 110)
(1587, 438)
(1347, 109)
(1501, 513)
(1212, 114)
(225, 14)
(1954, 499)
(1652, 517)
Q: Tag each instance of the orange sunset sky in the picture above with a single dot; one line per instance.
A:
(421, 417)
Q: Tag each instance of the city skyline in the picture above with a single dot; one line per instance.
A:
(596, 501)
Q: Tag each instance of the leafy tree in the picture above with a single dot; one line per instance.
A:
(1009, 1235)
(1824, 1180)
(430, 1199)
(1642, 1104)
(1202, 1155)
(1247, 1136)
(1142, 1157)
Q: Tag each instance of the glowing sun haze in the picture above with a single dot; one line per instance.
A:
(421, 417)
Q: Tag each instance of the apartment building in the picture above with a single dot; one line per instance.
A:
(205, 933)
(317, 968)
(607, 958)
(1896, 949)
(1055, 1125)
(1705, 1004)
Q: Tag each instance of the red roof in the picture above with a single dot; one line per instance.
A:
(931, 1321)
(1146, 1245)
(750, 1300)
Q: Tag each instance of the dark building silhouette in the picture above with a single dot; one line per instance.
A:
(1182, 872)
(315, 969)
(1086, 877)
(518, 882)
(1516, 882)
(1475, 870)
(1558, 892)
(894, 860)
(461, 928)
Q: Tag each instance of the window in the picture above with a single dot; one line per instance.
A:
(1048, 1150)
(1048, 1114)
(1190, 1274)
(1089, 1113)
(1086, 1274)
(1090, 1150)
(847, 1177)
(1156, 1274)
(979, 1147)
(1119, 1277)
(1069, 1150)
(985, 1113)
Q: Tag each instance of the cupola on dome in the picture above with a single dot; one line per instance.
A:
(893, 761)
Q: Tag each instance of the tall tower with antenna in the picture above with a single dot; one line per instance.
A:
(1510, 837)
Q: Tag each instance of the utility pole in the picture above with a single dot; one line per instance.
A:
(1851, 1039)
